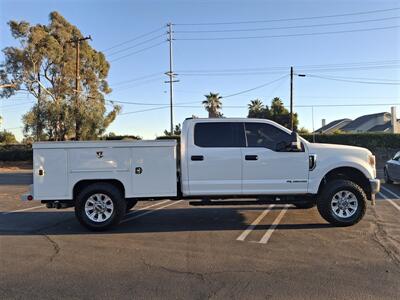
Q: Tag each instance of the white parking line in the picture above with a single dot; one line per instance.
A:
(146, 207)
(390, 200)
(150, 211)
(249, 229)
(24, 209)
(270, 231)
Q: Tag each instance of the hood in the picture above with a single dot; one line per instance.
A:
(332, 149)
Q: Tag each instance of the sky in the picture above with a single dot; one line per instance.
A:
(250, 55)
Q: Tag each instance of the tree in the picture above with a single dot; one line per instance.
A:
(213, 104)
(44, 65)
(303, 130)
(258, 110)
(7, 137)
(277, 112)
(177, 131)
(281, 115)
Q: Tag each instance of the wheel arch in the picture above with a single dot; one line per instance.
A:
(349, 173)
(80, 185)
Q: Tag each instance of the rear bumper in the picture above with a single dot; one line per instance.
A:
(375, 185)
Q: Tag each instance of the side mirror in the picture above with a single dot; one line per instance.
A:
(292, 143)
(295, 143)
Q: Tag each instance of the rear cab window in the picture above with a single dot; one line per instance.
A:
(219, 135)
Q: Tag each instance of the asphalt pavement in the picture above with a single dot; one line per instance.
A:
(194, 250)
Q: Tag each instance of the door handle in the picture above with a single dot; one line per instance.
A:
(197, 157)
(251, 157)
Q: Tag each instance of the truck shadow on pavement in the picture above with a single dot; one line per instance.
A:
(145, 221)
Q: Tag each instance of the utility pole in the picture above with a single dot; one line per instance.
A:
(38, 121)
(77, 42)
(171, 80)
(291, 96)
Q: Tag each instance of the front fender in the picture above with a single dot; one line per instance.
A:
(324, 167)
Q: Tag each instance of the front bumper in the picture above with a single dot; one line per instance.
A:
(375, 185)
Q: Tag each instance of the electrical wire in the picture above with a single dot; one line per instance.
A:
(136, 45)
(352, 81)
(256, 87)
(143, 110)
(134, 39)
(139, 51)
(365, 63)
(290, 19)
(285, 27)
(286, 35)
(137, 79)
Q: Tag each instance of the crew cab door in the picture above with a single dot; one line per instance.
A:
(214, 158)
(267, 170)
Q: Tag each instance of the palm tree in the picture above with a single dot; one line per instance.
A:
(255, 106)
(213, 104)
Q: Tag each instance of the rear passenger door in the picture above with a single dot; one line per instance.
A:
(214, 158)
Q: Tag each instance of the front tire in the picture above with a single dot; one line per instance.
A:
(342, 203)
(99, 207)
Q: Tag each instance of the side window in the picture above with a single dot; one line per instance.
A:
(219, 135)
(397, 156)
(264, 135)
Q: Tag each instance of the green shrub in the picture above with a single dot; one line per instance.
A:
(15, 152)
(371, 141)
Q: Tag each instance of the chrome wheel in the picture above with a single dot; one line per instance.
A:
(344, 204)
(99, 207)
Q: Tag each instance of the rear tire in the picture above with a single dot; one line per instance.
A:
(342, 203)
(100, 206)
(387, 177)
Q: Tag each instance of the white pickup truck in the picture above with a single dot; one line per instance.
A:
(217, 158)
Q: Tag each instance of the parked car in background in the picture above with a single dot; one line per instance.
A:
(392, 169)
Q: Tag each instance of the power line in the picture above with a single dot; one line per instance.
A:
(291, 19)
(136, 45)
(139, 84)
(144, 110)
(255, 88)
(353, 81)
(134, 39)
(137, 78)
(364, 78)
(139, 51)
(286, 35)
(365, 63)
(285, 27)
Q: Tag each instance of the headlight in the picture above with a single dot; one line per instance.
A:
(371, 160)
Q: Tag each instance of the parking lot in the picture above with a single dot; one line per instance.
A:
(194, 250)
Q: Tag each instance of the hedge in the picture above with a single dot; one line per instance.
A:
(371, 141)
(15, 152)
(383, 144)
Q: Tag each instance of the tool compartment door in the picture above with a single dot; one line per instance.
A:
(50, 175)
(154, 172)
